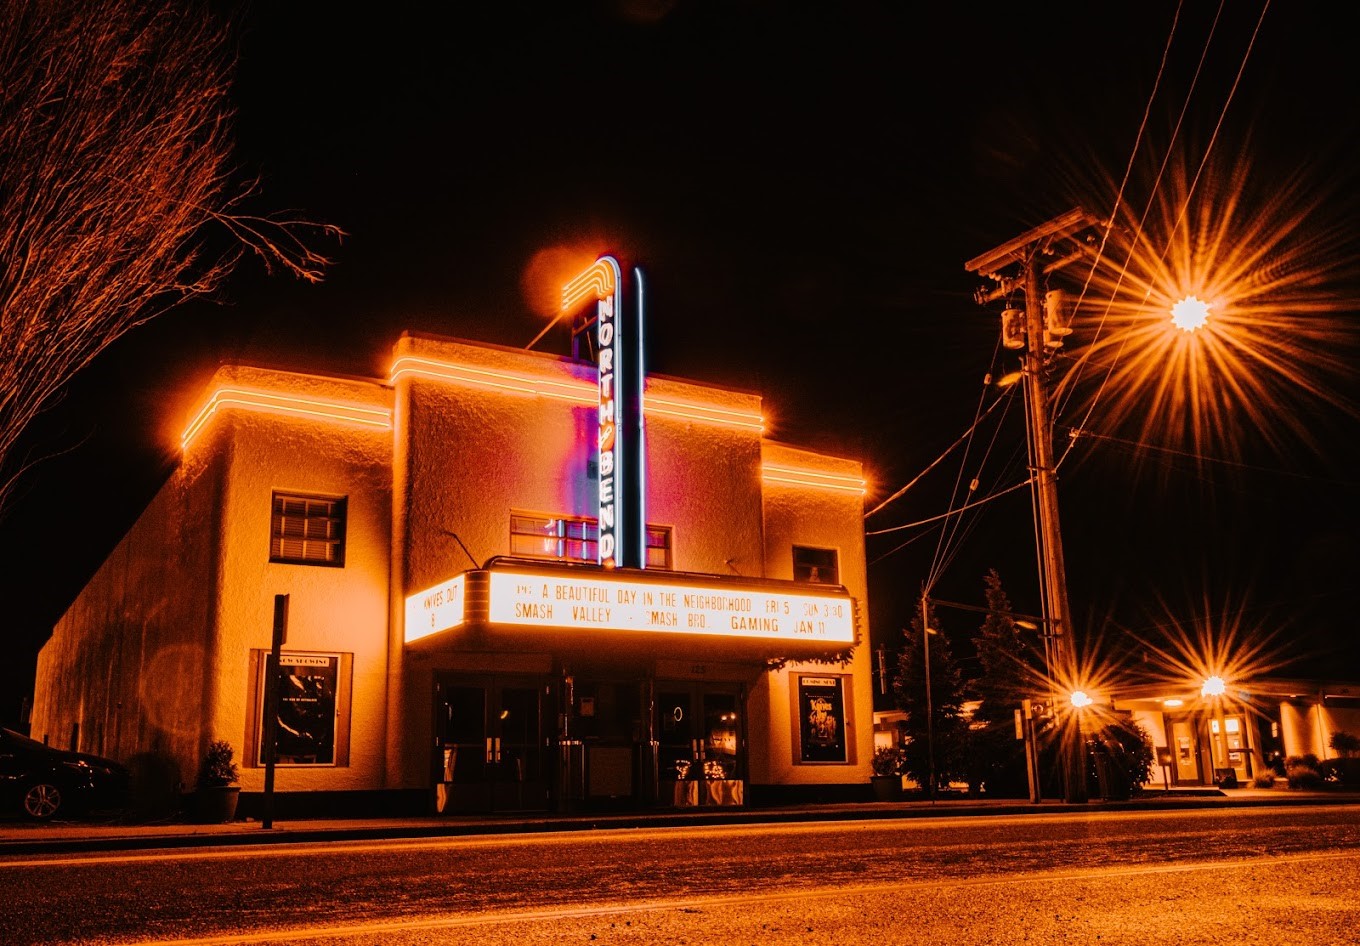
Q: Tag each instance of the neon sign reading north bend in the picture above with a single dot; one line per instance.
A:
(618, 330)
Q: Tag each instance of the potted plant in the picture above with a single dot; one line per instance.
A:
(887, 777)
(217, 793)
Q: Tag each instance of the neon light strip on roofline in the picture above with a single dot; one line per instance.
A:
(813, 478)
(717, 415)
(581, 392)
(444, 371)
(270, 402)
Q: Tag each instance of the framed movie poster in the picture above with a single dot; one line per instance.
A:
(307, 704)
(821, 719)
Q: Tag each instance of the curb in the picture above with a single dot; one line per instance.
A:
(170, 836)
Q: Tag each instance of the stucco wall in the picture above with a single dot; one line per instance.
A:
(477, 453)
(154, 658)
(1309, 728)
(130, 661)
(819, 518)
(331, 610)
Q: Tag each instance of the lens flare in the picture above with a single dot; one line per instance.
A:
(1259, 273)
(1215, 657)
(551, 268)
(1189, 314)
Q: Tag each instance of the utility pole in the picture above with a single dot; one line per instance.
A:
(1043, 329)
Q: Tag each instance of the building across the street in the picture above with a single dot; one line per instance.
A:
(1231, 732)
(496, 584)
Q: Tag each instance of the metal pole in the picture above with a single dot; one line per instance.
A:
(930, 707)
(271, 706)
(1031, 751)
(1051, 562)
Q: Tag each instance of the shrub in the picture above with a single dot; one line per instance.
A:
(1264, 779)
(1120, 758)
(1344, 772)
(1301, 775)
(887, 760)
(218, 767)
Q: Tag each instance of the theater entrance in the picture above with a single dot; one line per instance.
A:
(490, 748)
(700, 731)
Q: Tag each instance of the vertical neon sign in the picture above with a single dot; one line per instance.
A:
(618, 333)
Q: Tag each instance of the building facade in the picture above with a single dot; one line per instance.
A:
(430, 543)
(1230, 737)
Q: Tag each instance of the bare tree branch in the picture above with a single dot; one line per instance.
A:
(118, 196)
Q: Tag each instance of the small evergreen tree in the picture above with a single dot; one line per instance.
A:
(1118, 759)
(1006, 658)
(950, 731)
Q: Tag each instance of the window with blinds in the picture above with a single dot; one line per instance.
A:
(307, 530)
(567, 539)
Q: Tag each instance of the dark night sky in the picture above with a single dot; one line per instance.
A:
(802, 183)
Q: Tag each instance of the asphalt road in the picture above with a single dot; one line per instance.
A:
(1262, 875)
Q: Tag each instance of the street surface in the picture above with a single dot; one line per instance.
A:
(1262, 875)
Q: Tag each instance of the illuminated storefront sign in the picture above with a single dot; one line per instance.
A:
(540, 600)
(435, 609)
(618, 332)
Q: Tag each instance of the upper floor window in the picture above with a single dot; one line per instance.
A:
(307, 530)
(816, 565)
(576, 539)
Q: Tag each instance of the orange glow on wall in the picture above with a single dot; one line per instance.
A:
(813, 478)
(594, 284)
(551, 268)
(273, 402)
(715, 415)
(581, 392)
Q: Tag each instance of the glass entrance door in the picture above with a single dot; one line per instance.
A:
(489, 745)
(1227, 734)
(1185, 752)
(701, 748)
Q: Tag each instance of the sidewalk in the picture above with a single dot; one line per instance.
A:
(23, 837)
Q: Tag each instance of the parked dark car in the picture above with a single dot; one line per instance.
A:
(41, 782)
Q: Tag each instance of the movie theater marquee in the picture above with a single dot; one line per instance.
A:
(540, 600)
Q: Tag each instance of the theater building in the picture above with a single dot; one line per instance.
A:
(444, 550)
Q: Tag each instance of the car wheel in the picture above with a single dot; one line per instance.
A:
(42, 800)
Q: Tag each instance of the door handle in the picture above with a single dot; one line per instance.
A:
(488, 750)
(497, 743)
